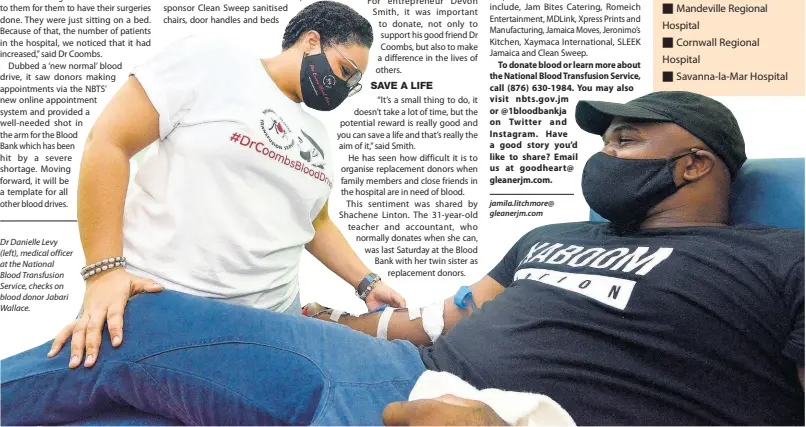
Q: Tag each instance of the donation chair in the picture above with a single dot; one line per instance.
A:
(766, 192)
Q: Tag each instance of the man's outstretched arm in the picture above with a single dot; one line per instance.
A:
(400, 327)
(447, 410)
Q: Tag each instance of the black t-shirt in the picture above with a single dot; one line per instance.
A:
(692, 325)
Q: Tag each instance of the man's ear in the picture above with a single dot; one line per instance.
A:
(698, 165)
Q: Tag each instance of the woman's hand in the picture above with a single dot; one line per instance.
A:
(382, 294)
(104, 302)
(447, 410)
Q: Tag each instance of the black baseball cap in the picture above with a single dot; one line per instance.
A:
(703, 117)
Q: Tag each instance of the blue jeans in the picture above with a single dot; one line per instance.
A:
(200, 361)
(295, 308)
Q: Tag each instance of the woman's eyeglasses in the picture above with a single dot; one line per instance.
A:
(354, 78)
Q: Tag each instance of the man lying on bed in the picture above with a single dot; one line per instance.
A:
(668, 315)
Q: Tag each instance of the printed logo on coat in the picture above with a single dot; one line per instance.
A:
(276, 130)
(282, 137)
(310, 151)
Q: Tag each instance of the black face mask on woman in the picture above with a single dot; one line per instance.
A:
(321, 89)
(624, 190)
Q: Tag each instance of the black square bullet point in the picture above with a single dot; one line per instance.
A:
(668, 8)
(668, 42)
(668, 76)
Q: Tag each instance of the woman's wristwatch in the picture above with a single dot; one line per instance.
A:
(366, 286)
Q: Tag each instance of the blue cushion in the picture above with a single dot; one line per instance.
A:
(766, 192)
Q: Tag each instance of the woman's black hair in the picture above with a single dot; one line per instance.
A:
(336, 24)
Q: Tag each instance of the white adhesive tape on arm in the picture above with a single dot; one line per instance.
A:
(336, 315)
(414, 313)
(383, 322)
(433, 321)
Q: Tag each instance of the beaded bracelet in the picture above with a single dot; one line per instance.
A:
(102, 265)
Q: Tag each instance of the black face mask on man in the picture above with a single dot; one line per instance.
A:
(321, 89)
(624, 190)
